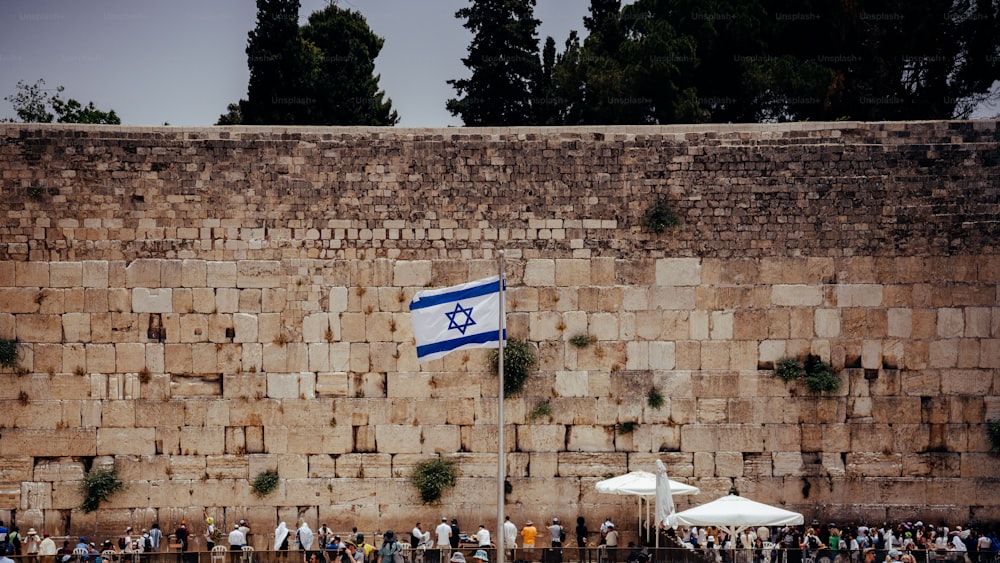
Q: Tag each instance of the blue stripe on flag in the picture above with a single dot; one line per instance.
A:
(455, 343)
(468, 293)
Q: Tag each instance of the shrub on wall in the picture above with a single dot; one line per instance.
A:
(8, 353)
(817, 374)
(660, 217)
(993, 433)
(432, 477)
(265, 483)
(518, 361)
(654, 398)
(98, 485)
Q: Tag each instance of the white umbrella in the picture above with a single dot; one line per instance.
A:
(664, 501)
(734, 514)
(643, 485)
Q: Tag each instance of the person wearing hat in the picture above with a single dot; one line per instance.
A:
(481, 555)
(47, 548)
(557, 533)
(236, 541)
(210, 533)
(528, 534)
(457, 557)
(181, 535)
(348, 552)
(324, 534)
(31, 541)
(389, 552)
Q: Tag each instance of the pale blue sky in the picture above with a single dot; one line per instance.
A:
(183, 61)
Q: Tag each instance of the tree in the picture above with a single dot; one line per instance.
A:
(277, 61)
(634, 67)
(233, 115)
(503, 58)
(34, 104)
(345, 90)
(317, 74)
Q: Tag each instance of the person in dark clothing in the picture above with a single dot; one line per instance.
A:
(455, 532)
(581, 537)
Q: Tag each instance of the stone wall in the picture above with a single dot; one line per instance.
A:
(199, 305)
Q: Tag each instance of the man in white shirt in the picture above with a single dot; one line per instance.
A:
(509, 535)
(443, 534)
(416, 535)
(483, 537)
(236, 538)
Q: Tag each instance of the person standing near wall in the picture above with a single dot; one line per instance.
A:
(581, 537)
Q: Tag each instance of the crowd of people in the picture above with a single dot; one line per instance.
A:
(908, 542)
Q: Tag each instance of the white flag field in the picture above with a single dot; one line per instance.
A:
(456, 318)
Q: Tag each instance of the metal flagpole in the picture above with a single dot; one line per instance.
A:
(501, 461)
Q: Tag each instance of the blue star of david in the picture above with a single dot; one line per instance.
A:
(460, 325)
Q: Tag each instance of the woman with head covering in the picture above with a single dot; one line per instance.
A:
(281, 540)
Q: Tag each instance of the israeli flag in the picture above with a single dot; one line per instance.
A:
(456, 318)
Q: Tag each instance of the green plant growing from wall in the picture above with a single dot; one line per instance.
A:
(660, 217)
(265, 483)
(627, 427)
(582, 340)
(654, 398)
(99, 485)
(433, 476)
(817, 374)
(993, 433)
(543, 408)
(8, 353)
(518, 361)
(789, 369)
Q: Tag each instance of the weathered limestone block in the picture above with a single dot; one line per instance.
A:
(571, 384)
(796, 295)
(245, 327)
(729, 464)
(859, 295)
(578, 464)
(678, 271)
(39, 328)
(584, 438)
(380, 327)
(876, 464)
(721, 437)
(206, 440)
(220, 274)
(143, 273)
(546, 325)
(18, 468)
(541, 437)
(227, 467)
(539, 273)
(398, 438)
(671, 298)
(157, 300)
(65, 274)
(36, 496)
(31, 274)
(259, 273)
(49, 442)
(333, 384)
(572, 272)
(787, 464)
(137, 441)
(413, 273)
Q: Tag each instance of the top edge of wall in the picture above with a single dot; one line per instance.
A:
(702, 128)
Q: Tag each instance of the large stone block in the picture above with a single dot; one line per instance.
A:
(259, 273)
(678, 271)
